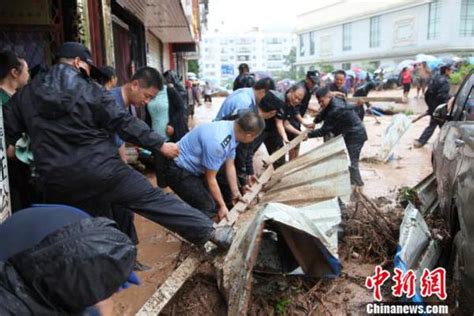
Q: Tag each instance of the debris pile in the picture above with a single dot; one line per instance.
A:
(370, 234)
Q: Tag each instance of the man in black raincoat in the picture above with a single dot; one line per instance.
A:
(62, 265)
(341, 119)
(436, 94)
(71, 122)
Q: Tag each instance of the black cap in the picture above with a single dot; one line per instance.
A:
(313, 75)
(73, 50)
(272, 101)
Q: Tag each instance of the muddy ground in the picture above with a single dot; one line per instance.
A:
(278, 295)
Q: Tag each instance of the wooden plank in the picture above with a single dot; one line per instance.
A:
(170, 287)
(375, 99)
(188, 267)
(285, 149)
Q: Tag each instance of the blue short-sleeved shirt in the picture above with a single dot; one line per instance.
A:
(241, 99)
(207, 147)
(117, 94)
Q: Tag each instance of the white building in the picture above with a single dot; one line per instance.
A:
(352, 32)
(221, 53)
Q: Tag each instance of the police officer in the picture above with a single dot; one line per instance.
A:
(193, 174)
(244, 79)
(261, 99)
(341, 119)
(71, 128)
(436, 94)
(247, 99)
(339, 81)
(309, 83)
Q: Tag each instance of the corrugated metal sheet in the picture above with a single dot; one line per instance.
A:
(320, 174)
(310, 233)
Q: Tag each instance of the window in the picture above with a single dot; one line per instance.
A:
(301, 40)
(374, 31)
(311, 43)
(433, 19)
(467, 18)
(346, 66)
(346, 36)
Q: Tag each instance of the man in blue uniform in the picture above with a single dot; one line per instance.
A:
(262, 100)
(203, 151)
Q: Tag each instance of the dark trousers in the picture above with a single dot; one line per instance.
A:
(130, 190)
(354, 148)
(125, 222)
(194, 190)
(429, 130)
(21, 189)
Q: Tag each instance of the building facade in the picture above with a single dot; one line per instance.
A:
(384, 32)
(221, 54)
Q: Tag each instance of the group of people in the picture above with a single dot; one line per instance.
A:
(75, 128)
(418, 77)
(76, 123)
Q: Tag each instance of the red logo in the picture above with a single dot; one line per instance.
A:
(404, 283)
(434, 282)
(376, 281)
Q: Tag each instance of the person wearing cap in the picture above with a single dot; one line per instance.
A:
(310, 83)
(341, 119)
(244, 79)
(71, 128)
(436, 94)
(261, 99)
(203, 151)
(63, 265)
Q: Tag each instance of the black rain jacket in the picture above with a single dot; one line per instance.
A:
(437, 92)
(71, 122)
(340, 119)
(69, 270)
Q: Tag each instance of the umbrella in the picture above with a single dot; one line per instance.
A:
(405, 63)
(351, 73)
(423, 57)
(434, 63)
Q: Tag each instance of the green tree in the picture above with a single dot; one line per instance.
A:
(290, 60)
(193, 66)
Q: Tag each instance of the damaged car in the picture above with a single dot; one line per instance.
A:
(453, 162)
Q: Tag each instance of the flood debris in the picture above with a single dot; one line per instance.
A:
(305, 243)
(417, 248)
(319, 175)
(370, 233)
(394, 132)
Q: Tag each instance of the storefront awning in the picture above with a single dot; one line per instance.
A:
(167, 20)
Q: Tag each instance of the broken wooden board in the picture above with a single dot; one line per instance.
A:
(285, 149)
(375, 99)
(170, 287)
(188, 267)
